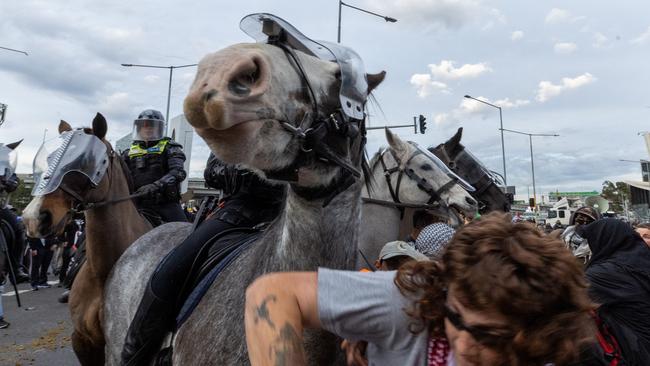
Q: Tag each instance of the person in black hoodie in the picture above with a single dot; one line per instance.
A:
(619, 277)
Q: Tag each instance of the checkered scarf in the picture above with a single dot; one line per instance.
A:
(433, 239)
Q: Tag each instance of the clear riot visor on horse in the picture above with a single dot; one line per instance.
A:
(269, 28)
(8, 160)
(72, 151)
(434, 159)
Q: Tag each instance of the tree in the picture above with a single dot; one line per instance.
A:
(21, 197)
(616, 193)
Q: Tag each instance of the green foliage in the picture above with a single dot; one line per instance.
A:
(21, 196)
(616, 193)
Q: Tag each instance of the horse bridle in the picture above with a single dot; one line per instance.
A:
(435, 199)
(312, 140)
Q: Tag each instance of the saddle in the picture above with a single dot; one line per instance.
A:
(221, 250)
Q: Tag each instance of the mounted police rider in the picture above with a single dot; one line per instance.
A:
(156, 165)
(8, 183)
(247, 202)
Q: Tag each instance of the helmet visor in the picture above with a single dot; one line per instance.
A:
(265, 27)
(148, 129)
(8, 160)
(72, 151)
(437, 162)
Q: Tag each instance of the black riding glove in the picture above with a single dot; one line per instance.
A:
(149, 190)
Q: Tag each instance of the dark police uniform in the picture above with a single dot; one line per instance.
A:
(15, 247)
(157, 167)
(248, 201)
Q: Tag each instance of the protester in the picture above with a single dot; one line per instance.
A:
(41, 250)
(503, 294)
(619, 277)
(396, 253)
(644, 232)
(421, 218)
(433, 240)
(574, 241)
(3, 323)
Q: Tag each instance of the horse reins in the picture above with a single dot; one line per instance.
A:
(312, 140)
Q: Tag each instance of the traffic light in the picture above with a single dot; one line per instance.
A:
(423, 124)
(531, 202)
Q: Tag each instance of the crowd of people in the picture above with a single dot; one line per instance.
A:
(496, 291)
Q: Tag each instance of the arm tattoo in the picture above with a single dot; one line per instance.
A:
(262, 311)
(288, 347)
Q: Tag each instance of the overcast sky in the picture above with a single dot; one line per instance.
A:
(578, 69)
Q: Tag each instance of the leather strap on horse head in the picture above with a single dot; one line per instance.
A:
(422, 183)
(313, 147)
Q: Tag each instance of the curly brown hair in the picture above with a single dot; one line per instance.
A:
(511, 268)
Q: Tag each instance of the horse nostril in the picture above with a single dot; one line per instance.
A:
(245, 79)
(45, 221)
(470, 200)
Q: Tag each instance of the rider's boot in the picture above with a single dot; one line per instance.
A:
(147, 330)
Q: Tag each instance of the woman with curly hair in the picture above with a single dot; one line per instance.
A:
(503, 294)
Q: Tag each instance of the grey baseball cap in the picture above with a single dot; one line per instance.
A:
(400, 248)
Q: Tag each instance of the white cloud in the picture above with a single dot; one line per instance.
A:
(426, 86)
(565, 47)
(507, 103)
(642, 38)
(517, 35)
(548, 90)
(600, 40)
(557, 16)
(439, 14)
(469, 108)
(151, 79)
(446, 70)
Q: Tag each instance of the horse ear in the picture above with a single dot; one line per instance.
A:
(64, 127)
(454, 141)
(374, 80)
(396, 143)
(14, 145)
(99, 126)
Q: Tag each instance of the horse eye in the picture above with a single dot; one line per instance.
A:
(426, 167)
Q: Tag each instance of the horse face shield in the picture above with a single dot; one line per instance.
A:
(353, 92)
(72, 151)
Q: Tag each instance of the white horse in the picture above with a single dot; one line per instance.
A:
(405, 175)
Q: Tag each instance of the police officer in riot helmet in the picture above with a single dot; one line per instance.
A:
(156, 165)
(247, 201)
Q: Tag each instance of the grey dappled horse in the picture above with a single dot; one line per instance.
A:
(253, 104)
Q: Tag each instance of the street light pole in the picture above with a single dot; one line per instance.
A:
(532, 162)
(341, 4)
(503, 149)
(169, 88)
(14, 50)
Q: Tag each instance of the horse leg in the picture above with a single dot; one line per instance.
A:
(86, 310)
(87, 352)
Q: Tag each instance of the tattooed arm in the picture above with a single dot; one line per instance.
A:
(278, 307)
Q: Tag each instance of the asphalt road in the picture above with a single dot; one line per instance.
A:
(40, 330)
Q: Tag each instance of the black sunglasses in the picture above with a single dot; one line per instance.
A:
(482, 336)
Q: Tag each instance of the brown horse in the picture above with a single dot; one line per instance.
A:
(112, 224)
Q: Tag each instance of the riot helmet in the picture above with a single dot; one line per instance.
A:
(149, 126)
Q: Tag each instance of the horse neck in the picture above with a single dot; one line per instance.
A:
(313, 236)
(110, 229)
